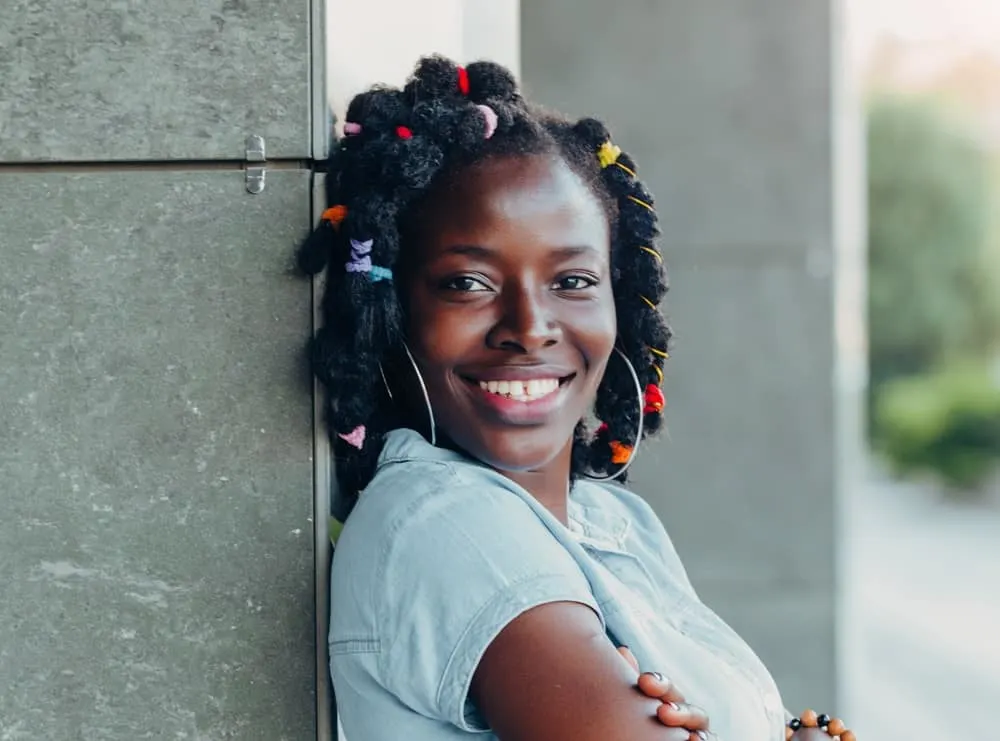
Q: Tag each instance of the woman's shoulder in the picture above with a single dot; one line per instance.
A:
(436, 558)
(428, 511)
(421, 488)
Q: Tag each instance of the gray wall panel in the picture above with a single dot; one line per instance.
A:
(726, 104)
(156, 549)
(748, 450)
(86, 81)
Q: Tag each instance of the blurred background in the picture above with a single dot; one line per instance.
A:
(925, 550)
(826, 178)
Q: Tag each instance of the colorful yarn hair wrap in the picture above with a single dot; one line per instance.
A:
(355, 437)
(361, 261)
(608, 154)
(491, 120)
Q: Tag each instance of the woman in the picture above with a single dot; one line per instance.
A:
(494, 355)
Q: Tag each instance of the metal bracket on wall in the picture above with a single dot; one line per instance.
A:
(256, 154)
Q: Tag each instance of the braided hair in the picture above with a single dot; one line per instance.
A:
(397, 143)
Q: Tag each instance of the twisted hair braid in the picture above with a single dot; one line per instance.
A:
(402, 140)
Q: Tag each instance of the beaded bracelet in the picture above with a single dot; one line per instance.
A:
(833, 727)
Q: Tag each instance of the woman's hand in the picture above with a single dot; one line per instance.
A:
(810, 734)
(673, 711)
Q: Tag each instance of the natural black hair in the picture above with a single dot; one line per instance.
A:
(400, 142)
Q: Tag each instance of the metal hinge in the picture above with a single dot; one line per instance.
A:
(256, 154)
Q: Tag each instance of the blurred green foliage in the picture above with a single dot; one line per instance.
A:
(934, 290)
(945, 423)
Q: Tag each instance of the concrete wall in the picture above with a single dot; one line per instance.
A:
(729, 109)
(156, 543)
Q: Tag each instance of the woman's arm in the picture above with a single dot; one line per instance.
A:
(553, 675)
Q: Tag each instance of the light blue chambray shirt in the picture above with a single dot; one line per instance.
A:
(441, 553)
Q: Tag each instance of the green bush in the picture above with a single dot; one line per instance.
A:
(933, 293)
(945, 423)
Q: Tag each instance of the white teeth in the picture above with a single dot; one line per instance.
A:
(531, 390)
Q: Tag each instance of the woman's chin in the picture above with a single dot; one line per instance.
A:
(521, 450)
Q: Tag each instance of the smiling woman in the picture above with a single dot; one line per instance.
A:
(491, 342)
(510, 294)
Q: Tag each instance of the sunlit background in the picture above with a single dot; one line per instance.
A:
(925, 553)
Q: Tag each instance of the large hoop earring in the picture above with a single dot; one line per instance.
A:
(423, 390)
(638, 432)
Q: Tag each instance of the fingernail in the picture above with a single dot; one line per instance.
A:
(674, 706)
(657, 676)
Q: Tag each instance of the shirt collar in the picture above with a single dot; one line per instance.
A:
(590, 519)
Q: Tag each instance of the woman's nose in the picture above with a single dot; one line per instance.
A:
(527, 323)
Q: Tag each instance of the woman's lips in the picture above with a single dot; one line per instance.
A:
(530, 390)
(528, 401)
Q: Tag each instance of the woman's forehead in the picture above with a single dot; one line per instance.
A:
(530, 196)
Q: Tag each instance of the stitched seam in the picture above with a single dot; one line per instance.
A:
(355, 646)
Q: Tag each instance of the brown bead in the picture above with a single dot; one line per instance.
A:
(836, 727)
(848, 736)
(809, 718)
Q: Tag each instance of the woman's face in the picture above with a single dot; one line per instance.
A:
(511, 313)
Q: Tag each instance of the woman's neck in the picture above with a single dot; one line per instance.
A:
(549, 484)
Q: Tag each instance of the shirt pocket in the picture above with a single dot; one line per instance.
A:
(642, 590)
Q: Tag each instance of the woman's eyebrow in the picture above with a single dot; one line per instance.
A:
(475, 250)
(470, 250)
(577, 251)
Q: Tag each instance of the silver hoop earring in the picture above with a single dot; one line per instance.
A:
(423, 389)
(385, 383)
(638, 432)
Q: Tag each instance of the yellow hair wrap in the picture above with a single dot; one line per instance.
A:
(608, 154)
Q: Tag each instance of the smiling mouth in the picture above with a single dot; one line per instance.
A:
(524, 391)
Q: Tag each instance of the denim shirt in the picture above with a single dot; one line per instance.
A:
(441, 553)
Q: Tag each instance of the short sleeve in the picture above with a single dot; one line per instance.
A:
(468, 560)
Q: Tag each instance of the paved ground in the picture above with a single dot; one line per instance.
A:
(926, 604)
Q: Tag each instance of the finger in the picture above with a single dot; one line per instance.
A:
(688, 716)
(806, 733)
(702, 735)
(674, 734)
(627, 654)
(654, 684)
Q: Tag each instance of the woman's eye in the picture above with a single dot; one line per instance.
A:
(465, 284)
(574, 283)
